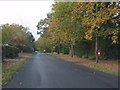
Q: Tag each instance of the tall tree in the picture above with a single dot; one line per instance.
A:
(16, 35)
(93, 16)
(68, 28)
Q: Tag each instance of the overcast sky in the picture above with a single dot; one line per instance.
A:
(26, 13)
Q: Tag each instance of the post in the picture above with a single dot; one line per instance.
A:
(96, 46)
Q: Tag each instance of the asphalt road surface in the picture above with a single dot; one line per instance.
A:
(45, 71)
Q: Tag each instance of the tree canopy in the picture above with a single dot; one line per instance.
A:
(16, 34)
(71, 23)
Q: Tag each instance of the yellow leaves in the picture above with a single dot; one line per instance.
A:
(54, 24)
(13, 33)
(87, 16)
(88, 34)
(94, 20)
(115, 37)
(19, 38)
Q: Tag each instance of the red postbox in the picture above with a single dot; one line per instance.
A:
(98, 52)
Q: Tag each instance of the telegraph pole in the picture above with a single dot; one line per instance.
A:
(96, 46)
(96, 37)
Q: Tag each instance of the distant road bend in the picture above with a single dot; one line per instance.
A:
(45, 71)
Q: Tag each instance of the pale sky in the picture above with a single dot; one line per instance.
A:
(26, 13)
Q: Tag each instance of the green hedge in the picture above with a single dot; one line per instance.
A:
(9, 51)
(26, 49)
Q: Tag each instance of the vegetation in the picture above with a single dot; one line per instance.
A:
(10, 72)
(15, 39)
(104, 70)
(10, 51)
(10, 68)
(81, 29)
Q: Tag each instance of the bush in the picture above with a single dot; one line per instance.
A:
(9, 51)
(65, 50)
(83, 48)
(27, 49)
(91, 57)
(85, 56)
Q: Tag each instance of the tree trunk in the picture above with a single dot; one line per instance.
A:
(71, 50)
(58, 49)
(96, 47)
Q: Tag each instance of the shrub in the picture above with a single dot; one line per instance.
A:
(65, 50)
(9, 51)
(91, 57)
(85, 56)
(27, 49)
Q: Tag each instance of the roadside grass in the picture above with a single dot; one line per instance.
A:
(9, 69)
(104, 70)
(8, 73)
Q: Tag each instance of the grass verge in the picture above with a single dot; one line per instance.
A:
(104, 70)
(10, 72)
(11, 67)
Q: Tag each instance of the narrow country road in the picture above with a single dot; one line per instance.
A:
(45, 71)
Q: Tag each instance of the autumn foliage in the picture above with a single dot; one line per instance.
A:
(75, 25)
